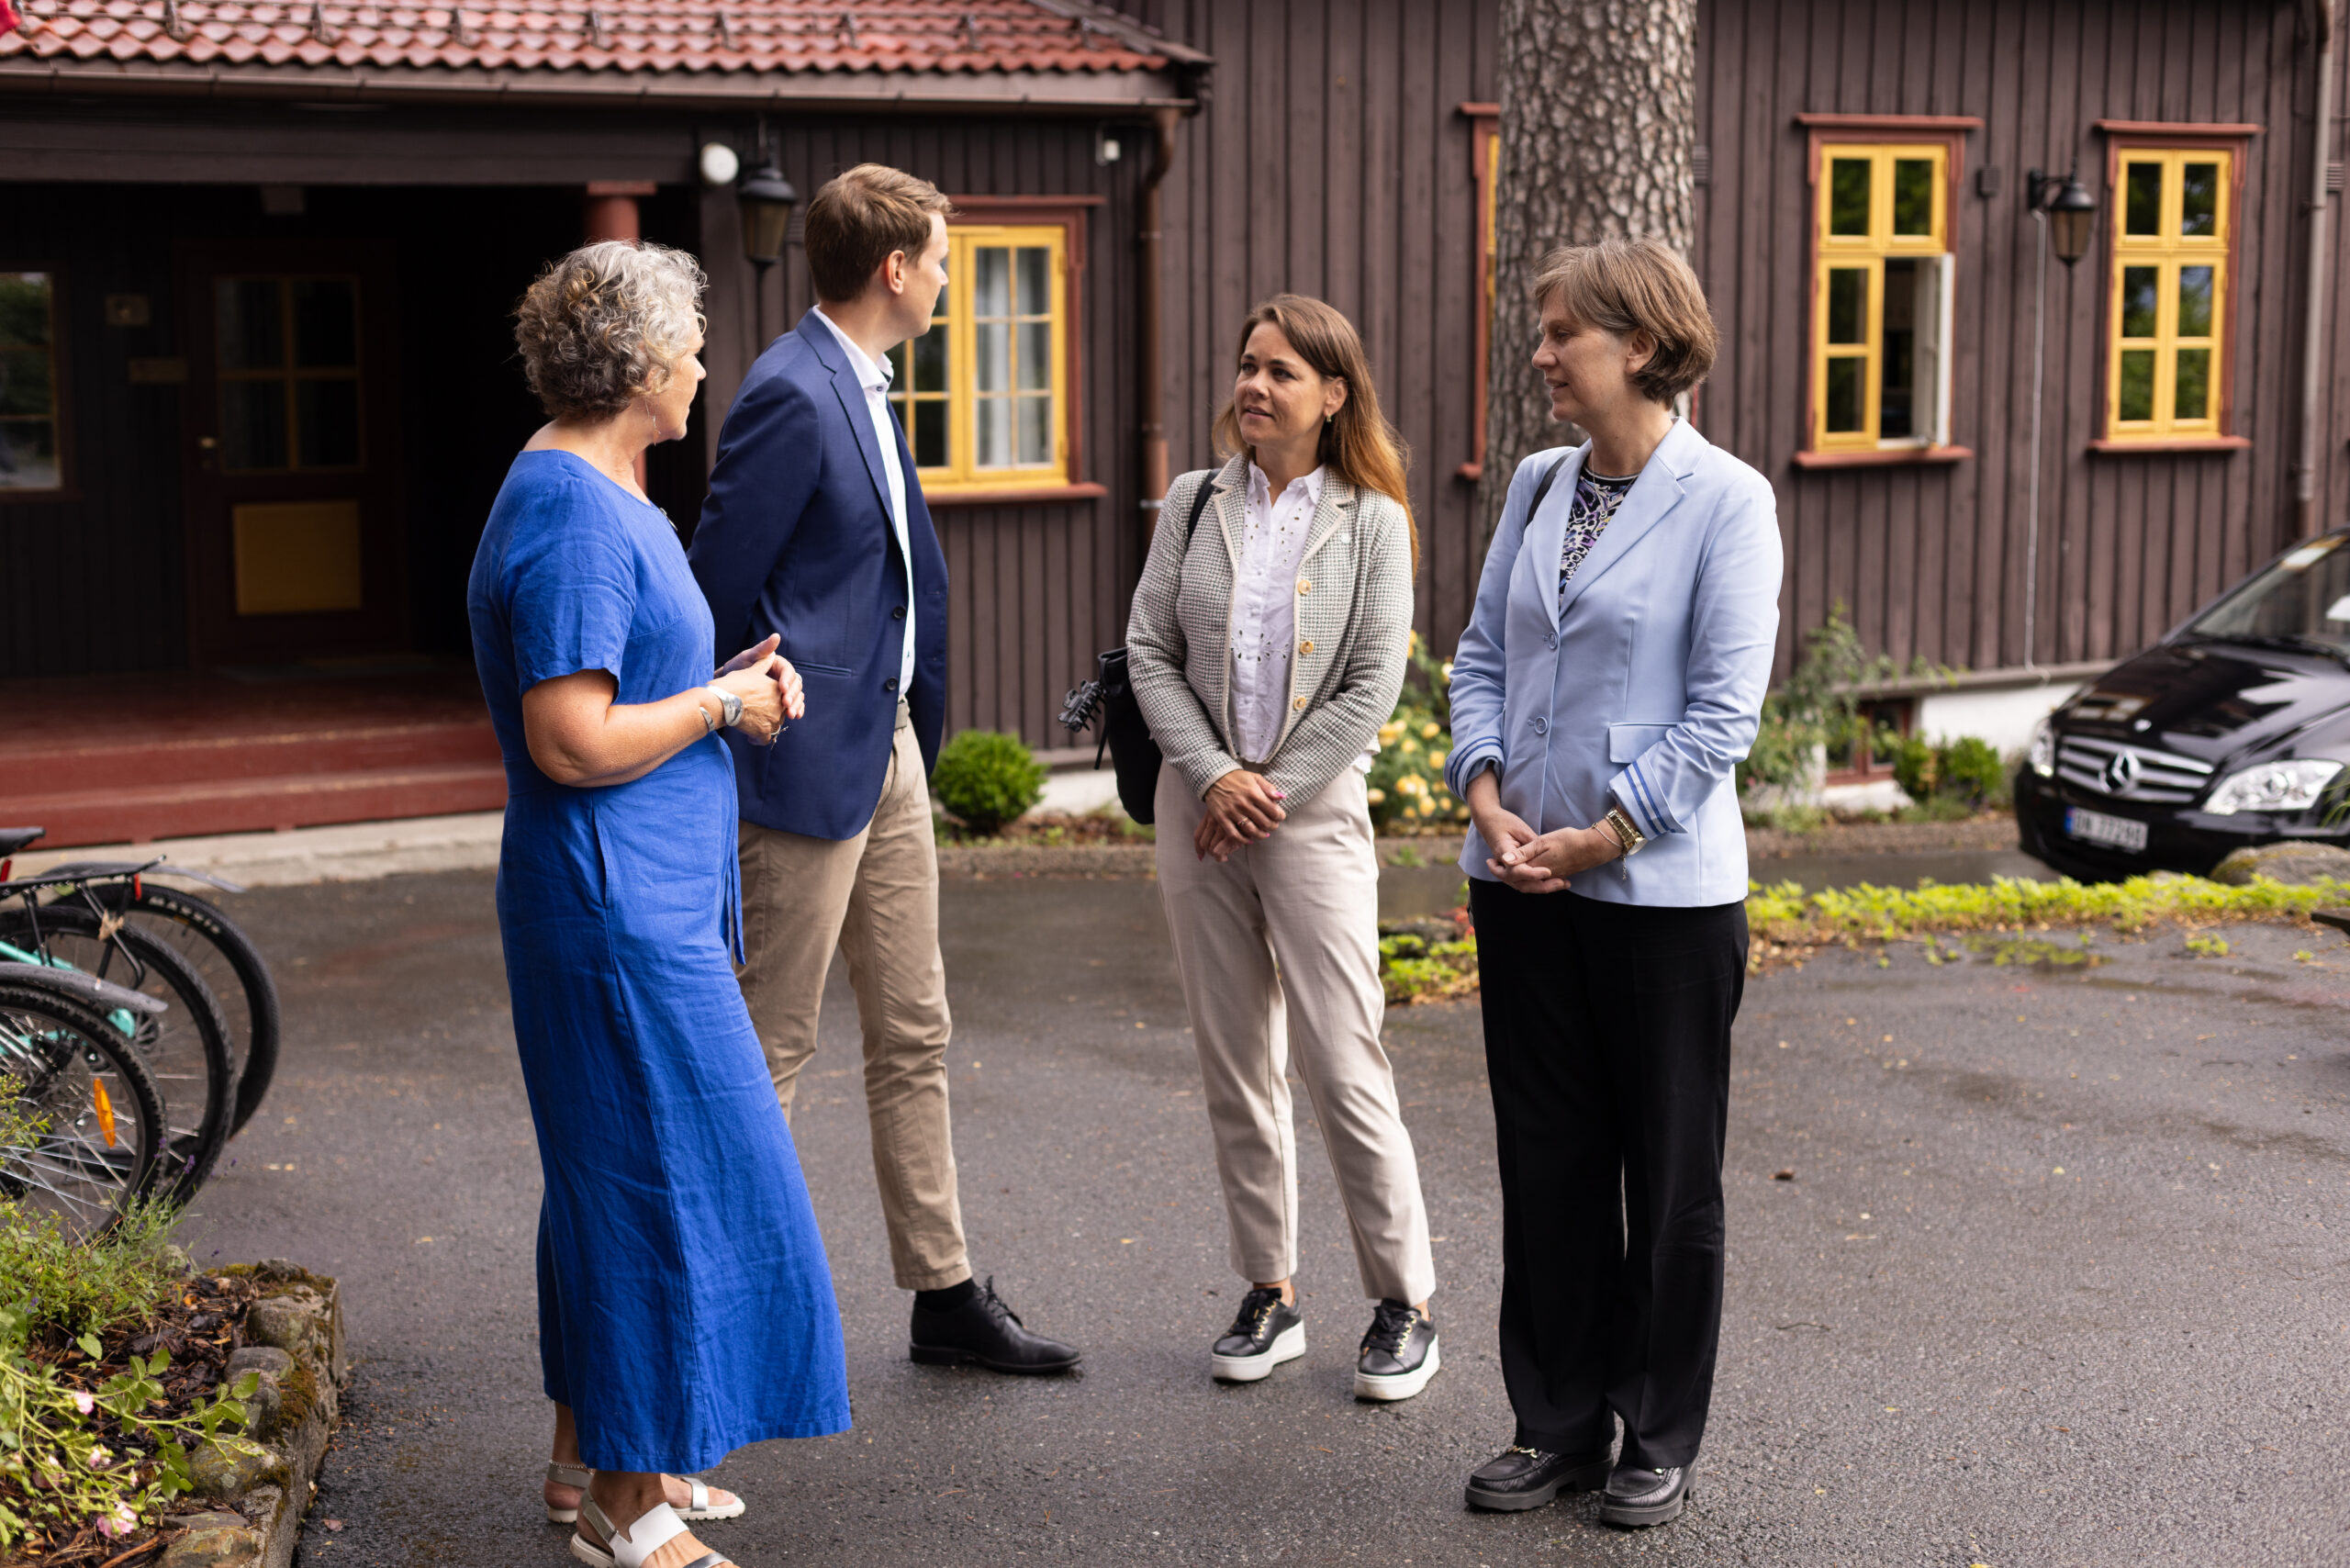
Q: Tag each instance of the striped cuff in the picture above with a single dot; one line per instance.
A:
(1631, 790)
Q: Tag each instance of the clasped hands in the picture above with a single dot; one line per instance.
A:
(771, 689)
(1239, 809)
(1529, 861)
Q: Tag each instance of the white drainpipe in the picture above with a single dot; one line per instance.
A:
(2314, 343)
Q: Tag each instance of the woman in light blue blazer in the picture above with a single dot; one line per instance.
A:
(1611, 679)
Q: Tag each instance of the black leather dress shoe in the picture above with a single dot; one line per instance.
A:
(1640, 1497)
(1518, 1478)
(984, 1332)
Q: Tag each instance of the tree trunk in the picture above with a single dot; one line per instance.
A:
(1598, 101)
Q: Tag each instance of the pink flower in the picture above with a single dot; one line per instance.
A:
(122, 1521)
(84, 1403)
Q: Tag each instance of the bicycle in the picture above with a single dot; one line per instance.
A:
(86, 1120)
(203, 934)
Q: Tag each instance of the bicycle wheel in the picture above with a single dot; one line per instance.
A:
(235, 970)
(92, 1119)
(186, 1049)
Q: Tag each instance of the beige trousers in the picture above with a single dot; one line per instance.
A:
(1279, 952)
(875, 897)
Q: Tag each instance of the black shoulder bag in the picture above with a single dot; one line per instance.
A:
(1109, 696)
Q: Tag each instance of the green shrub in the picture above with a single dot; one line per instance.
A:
(1818, 706)
(1956, 779)
(986, 779)
(1973, 770)
(69, 1288)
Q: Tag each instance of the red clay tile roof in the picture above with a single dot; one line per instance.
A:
(957, 36)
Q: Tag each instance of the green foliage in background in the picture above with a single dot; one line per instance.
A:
(985, 779)
(1818, 706)
(1407, 789)
(1968, 773)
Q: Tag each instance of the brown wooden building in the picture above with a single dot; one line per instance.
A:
(256, 383)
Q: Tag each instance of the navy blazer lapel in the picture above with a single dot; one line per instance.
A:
(1655, 492)
(851, 392)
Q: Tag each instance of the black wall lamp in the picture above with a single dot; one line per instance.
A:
(767, 199)
(2071, 211)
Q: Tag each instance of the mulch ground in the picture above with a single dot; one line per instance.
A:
(199, 1326)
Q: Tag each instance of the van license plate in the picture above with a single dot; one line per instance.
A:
(2096, 828)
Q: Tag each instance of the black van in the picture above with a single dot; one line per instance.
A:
(2233, 730)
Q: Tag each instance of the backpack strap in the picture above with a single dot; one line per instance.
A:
(1199, 505)
(1543, 488)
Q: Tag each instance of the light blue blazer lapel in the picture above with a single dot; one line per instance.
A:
(1545, 531)
(1655, 492)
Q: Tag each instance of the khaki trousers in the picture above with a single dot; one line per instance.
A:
(875, 897)
(1279, 952)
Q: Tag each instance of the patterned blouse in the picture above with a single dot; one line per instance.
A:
(1595, 500)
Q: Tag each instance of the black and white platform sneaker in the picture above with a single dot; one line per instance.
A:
(1640, 1497)
(1268, 1332)
(1399, 1353)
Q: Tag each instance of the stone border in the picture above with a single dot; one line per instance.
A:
(292, 1339)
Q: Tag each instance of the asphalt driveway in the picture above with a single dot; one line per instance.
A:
(2062, 1274)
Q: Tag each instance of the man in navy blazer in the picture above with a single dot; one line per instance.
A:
(814, 531)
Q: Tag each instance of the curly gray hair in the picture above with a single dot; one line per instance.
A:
(607, 323)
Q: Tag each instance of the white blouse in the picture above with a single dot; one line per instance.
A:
(1264, 608)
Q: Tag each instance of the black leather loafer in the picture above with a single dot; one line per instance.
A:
(1519, 1478)
(1639, 1497)
(984, 1332)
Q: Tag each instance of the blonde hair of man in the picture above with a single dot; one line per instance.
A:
(859, 219)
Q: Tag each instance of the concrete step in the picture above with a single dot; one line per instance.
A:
(139, 812)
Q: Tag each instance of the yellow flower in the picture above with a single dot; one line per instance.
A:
(1437, 759)
(1410, 744)
(1389, 731)
(1448, 671)
(1414, 643)
(1430, 730)
(1411, 784)
(1428, 808)
(1376, 796)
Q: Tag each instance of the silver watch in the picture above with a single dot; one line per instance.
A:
(729, 708)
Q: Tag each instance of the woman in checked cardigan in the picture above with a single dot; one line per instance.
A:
(1266, 648)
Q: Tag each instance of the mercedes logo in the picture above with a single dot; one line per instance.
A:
(2120, 773)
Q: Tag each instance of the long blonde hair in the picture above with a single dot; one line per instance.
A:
(1358, 444)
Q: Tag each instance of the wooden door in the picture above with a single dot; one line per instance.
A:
(294, 545)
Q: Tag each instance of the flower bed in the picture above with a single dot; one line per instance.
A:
(1425, 961)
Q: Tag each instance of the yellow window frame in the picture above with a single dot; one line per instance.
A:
(956, 317)
(1866, 253)
(2168, 254)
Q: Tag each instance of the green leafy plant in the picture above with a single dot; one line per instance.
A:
(985, 779)
(1817, 709)
(1407, 787)
(1956, 779)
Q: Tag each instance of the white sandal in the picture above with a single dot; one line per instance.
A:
(655, 1529)
(701, 1508)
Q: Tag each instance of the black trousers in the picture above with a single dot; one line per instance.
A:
(1607, 1043)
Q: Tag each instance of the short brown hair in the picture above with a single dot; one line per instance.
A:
(607, 322)
(859, 218)
(1637, 285)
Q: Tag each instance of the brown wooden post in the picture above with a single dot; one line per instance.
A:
(1153, 391)
(611, 214)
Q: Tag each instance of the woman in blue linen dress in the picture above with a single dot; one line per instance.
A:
(685, 1304)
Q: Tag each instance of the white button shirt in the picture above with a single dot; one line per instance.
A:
(1264, 608)
(875, 379)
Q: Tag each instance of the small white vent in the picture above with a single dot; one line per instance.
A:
(1701, 166)
(2334, 176)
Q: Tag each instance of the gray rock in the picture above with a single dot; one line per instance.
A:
(2296, 863)
(289, 1321)
(214, 1540)
(266, 1359)
(231, 1467)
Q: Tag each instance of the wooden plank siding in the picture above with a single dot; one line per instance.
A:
(1930, 559)
(1331, 159)
(1036, 589)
